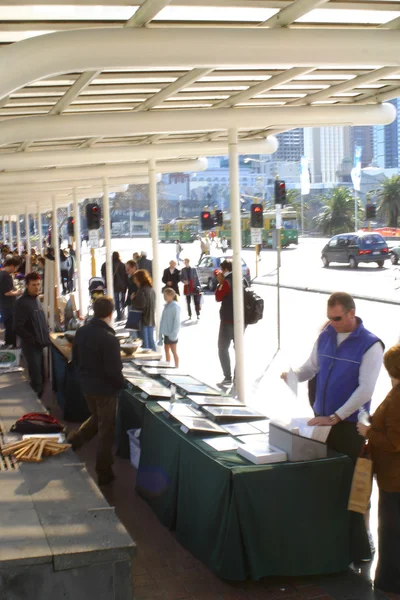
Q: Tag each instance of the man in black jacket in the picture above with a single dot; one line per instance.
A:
(145, 263)
(8, 297)
(97, 354)
(31, 327)
(172, 276)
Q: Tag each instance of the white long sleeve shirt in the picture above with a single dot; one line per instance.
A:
(369, 370)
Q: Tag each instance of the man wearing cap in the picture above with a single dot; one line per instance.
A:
(346, 360)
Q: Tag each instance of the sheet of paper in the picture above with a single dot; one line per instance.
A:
(315, 432)
(291, 381)
(222, 443)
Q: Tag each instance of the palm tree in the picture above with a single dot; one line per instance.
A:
(337, 214)
(388, 194)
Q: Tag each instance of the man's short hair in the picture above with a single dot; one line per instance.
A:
(343, 299)
(131, 264)
(11, 262)
(34, 276)
(103, 307)
(226, 265)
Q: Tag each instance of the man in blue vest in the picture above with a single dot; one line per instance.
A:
(346, 360)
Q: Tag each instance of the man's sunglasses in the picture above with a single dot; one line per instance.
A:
(335, 319)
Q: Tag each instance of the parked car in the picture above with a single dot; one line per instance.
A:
(354, 248)
(209, 264)
(394, 254)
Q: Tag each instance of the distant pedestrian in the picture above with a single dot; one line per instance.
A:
(170, 325)
(145, 263)
(191, 288)
(178, 250)
(171, 277)
(203, 248)
(224, 245)
(120, 278)
(131, 268)
(31, 327)
(8, 297)
(145, 301)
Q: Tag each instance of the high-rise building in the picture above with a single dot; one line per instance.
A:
(363, 136)
(326, 147)
(291, 146)
(386, 140)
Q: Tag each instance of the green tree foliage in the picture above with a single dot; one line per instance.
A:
(337, 212)
(388, 196)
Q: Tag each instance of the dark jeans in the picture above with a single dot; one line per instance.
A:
(34, 361)
(225, 337)
(119, 298)
(345, 439)
(387, 575)
(196, 302)
(101, 422)
(8, 320)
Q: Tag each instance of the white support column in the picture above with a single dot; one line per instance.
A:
(28, 241)
(40, 232)
(154, 237)
(77, 231)
(7, 229)
(107, 239)
(3, 228)
(56, 246)
(238, 307)
(18, 232)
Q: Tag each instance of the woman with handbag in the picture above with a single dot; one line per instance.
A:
(383, 436)
(191, 288)
(145, 301)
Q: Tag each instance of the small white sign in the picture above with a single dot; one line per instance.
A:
(94, 238)
(256, 235)
(278, 216)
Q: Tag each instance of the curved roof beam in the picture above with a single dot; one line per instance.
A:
(123, 124)
(293, 11)
(118, 154)
(31, 198)
(52, 186)
(109, 48)
(129, 171)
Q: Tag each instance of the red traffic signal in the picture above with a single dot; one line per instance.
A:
(206, 221)
(280, 192)
(93, 215)
(256, 216)
(70, 226)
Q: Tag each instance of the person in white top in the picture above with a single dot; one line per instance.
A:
(346, 360)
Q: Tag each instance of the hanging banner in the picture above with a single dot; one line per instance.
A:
(356, 170)
(304, 176)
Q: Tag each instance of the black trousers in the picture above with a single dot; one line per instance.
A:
(196, 305)
(225, 337)
(8, 320)
(34, 361)
(387, 575)
(344, 438)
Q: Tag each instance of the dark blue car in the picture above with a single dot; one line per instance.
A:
(354, 248)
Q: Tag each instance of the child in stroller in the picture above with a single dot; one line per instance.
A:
(97, 287)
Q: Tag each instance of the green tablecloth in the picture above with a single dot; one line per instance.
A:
(130, 413)
(242, 520)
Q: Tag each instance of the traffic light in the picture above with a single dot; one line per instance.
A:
(70, 226)
(370, 211)
(207, 222)
(280, 192)
(93, 216)
(257, 217)
(219, 218)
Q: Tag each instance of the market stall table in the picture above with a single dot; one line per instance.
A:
(66, 379)
(243, 520)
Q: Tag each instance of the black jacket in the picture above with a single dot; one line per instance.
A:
(175, 277)
(120, 276)
(145, 300)
(132, 289)
(30, 321)
(145, 263)
(97, 353)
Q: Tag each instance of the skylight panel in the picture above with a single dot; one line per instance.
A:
(356, 17)
(215, 13)
(66, 12)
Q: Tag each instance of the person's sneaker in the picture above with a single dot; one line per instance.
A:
(225, 382)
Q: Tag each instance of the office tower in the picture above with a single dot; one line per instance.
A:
(326, 147)
(291, 146)
(386, 142)
(362, 136)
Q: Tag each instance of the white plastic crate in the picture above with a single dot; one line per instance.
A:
(134, 446)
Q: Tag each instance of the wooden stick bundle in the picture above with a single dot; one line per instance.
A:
(34, 449)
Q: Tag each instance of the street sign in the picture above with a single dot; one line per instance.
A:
(256, 236)
(94, 238)
(278, 216)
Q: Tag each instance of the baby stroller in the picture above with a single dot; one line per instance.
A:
(97, 287)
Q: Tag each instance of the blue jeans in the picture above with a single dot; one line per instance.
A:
(119, 298)
(148, 337)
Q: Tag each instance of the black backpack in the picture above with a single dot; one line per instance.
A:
(253, 307)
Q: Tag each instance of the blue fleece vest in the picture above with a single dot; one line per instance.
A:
(339, 368)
